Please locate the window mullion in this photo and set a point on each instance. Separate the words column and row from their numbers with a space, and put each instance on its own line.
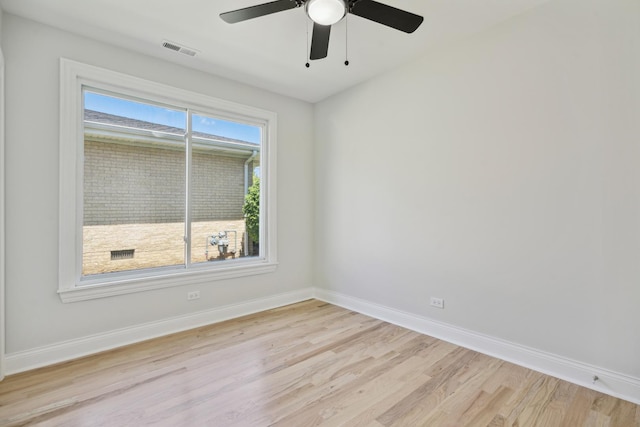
column 188, row 191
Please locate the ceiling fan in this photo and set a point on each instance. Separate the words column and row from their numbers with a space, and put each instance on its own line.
column 325, row 13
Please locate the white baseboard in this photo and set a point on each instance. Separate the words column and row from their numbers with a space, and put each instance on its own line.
column 72, row 349
column 609, row 382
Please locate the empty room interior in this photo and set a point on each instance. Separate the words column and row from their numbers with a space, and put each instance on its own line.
column 252, row 213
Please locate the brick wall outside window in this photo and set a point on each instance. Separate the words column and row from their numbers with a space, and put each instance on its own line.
column 134, row 198
column 127, row 184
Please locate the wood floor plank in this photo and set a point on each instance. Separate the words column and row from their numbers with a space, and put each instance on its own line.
column 425, row 398
column 484, row 409
column 305, row 364
column 355, row 396
column 539, row 402
column 460, row 403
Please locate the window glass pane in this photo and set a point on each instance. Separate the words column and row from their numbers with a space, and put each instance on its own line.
column 225, row 168
column 134, row 185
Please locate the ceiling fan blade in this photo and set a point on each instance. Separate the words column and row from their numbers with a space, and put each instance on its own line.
column 387, row 15
column 320, row 41
column 258, row 11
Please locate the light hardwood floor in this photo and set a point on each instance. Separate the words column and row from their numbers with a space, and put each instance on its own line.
column 306, row 364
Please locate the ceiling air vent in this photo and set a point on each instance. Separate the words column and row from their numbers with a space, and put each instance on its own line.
column 178, row 48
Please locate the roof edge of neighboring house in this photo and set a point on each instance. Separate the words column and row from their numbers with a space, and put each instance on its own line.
column 105, row 127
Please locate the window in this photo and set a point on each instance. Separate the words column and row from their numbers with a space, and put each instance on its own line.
column 159, row 186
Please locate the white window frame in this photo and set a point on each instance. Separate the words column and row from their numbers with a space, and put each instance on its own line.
column 71, row 284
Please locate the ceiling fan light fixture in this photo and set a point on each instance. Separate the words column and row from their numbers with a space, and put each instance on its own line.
column 326, row 12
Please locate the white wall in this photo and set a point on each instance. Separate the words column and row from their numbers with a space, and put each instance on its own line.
column 512, row 160
column 2, row 229
column 35, row 315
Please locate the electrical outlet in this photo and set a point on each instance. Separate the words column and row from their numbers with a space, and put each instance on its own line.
column 193, row 295
column 437, row 302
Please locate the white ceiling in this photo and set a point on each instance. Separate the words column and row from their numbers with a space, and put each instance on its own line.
column 268, row 52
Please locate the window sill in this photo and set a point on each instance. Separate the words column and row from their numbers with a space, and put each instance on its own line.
column 84, row 291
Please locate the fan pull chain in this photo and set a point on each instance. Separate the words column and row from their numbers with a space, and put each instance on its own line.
column 306, row 24
column 346, row 40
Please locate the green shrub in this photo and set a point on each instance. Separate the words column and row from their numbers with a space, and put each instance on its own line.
column 251, row 210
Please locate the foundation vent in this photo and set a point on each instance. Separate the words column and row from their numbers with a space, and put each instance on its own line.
column 182, row 49
column 122, row 254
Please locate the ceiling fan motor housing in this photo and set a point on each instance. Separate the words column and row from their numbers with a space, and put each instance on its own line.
column 326, row 12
